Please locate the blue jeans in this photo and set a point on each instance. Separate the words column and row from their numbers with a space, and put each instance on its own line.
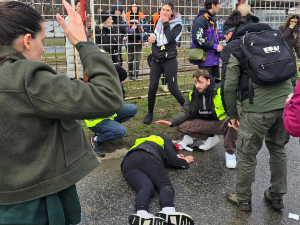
column 111, row 130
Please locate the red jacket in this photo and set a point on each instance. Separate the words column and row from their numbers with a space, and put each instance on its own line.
column 291, row 115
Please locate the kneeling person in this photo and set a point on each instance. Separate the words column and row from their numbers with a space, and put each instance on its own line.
column 144, row 169
column 203, row 116
column 110, row 129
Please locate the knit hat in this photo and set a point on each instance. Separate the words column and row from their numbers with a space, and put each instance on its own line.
column 103, row 16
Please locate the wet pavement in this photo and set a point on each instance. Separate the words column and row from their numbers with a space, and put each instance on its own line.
column 107, row 199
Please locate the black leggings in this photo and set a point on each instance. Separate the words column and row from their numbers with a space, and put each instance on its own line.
column 145, row 173
column 170, row 68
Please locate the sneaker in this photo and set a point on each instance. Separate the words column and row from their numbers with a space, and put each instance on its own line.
column 230, row 160
column 135, row 219
column 277, row 202
column 164, row 88
column 176, row 218
column 130, row 77
column 243, row 205
column 209, row 143
column 98, row 147
column 148, row 119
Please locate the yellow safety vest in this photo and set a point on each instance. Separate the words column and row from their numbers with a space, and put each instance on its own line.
column 94, row 122
column 154, row 138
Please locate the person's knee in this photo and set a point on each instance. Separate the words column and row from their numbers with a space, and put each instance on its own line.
column 168, row 190
column 120, row 132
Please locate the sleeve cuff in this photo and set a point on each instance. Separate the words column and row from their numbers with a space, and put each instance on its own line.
column 83, row 43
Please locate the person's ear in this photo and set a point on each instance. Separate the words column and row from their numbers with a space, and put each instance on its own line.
column 27, row 41
column 208, row 81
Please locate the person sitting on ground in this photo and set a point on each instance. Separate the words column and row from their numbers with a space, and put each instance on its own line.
column 110, row 128
column 106, row 35
column 289, row 31
column 203, row 116
column 144, row 169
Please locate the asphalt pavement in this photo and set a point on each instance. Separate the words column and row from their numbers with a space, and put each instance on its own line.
column 107, row 199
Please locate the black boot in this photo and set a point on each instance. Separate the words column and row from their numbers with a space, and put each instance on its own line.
column 148, row 119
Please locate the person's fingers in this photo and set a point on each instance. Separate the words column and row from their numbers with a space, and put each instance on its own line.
column 62, row 23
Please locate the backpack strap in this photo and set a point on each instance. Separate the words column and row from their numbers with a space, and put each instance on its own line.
column 251, row 93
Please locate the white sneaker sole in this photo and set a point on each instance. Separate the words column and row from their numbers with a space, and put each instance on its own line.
column 176, row 218
column 140, row 220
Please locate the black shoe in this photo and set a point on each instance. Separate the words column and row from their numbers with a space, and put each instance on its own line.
column 148, row 119
column 180, row 218
column 135, row 219
column 98, row 148
column 277, row 202
column 130, row 77
column 243, row 205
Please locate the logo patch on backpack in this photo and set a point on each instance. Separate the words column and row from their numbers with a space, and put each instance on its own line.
column 271, row 49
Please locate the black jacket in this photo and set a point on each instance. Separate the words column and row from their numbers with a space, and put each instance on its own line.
column 167, row 155
column 107, row 39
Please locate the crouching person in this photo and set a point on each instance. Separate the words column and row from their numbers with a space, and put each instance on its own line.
column 203, row 116
column 110, row 128
column 144, row 169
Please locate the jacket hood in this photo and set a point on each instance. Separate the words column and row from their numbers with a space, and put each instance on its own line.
column 176, row 18
column 249, row 27
column 117, row 6
column 204, row 10
column 251, row 18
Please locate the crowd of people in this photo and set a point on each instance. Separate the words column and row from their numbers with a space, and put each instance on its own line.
column 49, row 151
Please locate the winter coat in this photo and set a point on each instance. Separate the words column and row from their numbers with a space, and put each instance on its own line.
column 291, row 115
column 205, row 35
column 44, row 148
column 134, row 19
column 235, row 79
column 106, row 38
column 167, row 36
column 292, row 42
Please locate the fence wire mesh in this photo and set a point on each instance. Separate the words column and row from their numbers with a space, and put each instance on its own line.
column 273, row 12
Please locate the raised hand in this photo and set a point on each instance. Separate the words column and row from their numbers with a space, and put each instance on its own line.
column 75, row 32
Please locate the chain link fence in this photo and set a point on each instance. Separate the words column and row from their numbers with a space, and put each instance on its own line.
column 273, row 12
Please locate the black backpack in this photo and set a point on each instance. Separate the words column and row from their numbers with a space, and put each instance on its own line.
column 269, row 60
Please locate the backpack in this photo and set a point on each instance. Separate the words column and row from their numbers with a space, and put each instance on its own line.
column 269, row 60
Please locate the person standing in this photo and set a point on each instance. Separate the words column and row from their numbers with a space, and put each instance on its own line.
column 205, row 36
column 44, row 149
column 261, row 116
column 289, row 31
column 119, row 22
column 164, row 53
column 134, row 40
column 106, row 35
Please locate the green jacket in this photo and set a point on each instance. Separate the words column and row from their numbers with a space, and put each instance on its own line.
column 266, row 97
column 235, row 80
column 43, row 146
column 190, row 109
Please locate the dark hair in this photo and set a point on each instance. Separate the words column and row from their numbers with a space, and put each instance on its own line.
column 18, row 19
column 138, row 8
column 234, row 20
column 76, row 2
column 208, row 3
column 201, row 73
column 287, row 23
column 170, row 3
